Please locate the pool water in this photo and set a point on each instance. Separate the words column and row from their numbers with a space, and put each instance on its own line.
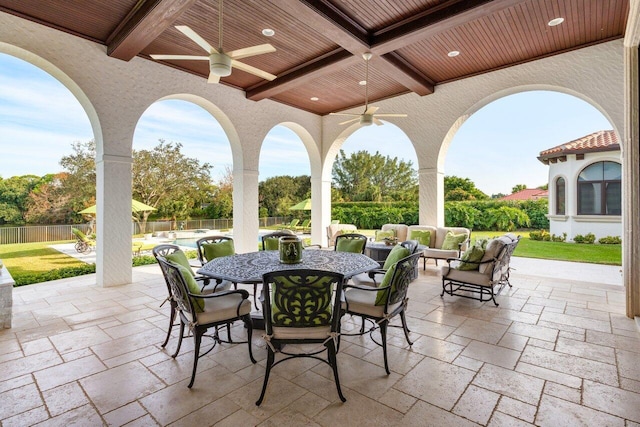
column 190, row 242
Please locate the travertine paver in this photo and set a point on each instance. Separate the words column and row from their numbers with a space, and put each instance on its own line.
column 553, row 352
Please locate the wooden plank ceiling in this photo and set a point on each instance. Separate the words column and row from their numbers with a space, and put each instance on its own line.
column 320, row 42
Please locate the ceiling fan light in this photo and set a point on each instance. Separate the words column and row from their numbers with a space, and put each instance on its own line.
column 220, row 64
column 366, row 119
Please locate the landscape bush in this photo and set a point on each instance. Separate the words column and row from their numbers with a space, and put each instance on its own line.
column 588, row 238
column 610, row 240
column 540, row 235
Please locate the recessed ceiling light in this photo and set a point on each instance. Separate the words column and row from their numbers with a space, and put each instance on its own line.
column 453, row 53
column 555, row 21
column 268, row 32
column 314, row 98
column 362, row 82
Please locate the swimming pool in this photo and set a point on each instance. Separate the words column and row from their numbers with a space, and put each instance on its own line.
column 190, row 242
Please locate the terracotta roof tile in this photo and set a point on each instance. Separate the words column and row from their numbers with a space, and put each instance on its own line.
column 527, row 194
column 604, row 140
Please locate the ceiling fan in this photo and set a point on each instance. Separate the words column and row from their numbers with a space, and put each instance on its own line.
column 368, row 116
column 220, row 62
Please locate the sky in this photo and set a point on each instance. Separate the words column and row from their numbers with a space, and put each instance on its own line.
column 38, row 113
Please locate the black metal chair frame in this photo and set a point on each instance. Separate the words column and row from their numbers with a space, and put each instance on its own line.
column 500, row 268
column 402, row 277
column 184, row 306
column 300, row 284
column 203, row 259
column 163, row 251
column 352, row 236
column 412, row 245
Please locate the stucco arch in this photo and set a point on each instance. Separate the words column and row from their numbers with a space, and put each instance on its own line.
column 446, row 143
column 63, row 78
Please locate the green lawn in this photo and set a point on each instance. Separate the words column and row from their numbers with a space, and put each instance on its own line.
column 34, row 258
column 578, row 252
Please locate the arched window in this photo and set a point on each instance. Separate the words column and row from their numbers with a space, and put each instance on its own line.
column 599, row 189
column 560, row 196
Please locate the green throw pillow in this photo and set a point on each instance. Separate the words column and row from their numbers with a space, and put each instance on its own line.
column 272, row 243
column 452, row 241
column 198, row 303
column 350, row 245
column 216, row 250
column 474, row 254
column 381, row 297
column 178, row 257
column 381, row 235
column 422, row 236
column 397, row 253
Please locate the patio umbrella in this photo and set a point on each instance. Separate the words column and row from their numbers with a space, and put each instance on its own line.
column 136, row 207
column 304, row 205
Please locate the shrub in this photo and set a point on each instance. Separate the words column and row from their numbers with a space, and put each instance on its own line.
column 562, row 238
column 458, row 214
column 504, row 218
column 610, row 240
column 540, row 235
column 588, row 238
column 58, row 273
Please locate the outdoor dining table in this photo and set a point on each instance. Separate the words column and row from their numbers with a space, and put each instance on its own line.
column 249, row 267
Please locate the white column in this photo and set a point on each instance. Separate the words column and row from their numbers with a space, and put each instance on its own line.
column 114, row 233
column 431, row 196
column 245, row 210
column 320, row 210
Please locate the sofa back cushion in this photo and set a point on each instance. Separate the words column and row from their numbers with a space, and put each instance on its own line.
column 400, row 230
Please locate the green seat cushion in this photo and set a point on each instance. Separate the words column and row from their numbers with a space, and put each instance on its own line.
column 381, row 235
column 422, row 236
column 272, row 243
column 216, row 250
column 475, row 254
column 192, row 285
column 301, row 306
column 397, row 253
column 179, row 258
column 350, row 245
column 381, row 297
column 452, row 241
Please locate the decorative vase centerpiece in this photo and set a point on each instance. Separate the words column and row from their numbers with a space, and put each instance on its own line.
column 290, row 250
column 390, row 241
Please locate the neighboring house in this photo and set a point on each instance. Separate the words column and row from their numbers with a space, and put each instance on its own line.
column 527, row 194
column 585, row 192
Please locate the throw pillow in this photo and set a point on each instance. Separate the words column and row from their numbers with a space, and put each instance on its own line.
column 216, row 250
column 422, row 236
column 381, row 297
column 397, row 253
column 381, row 235
column 192, row 285
column 178, row 257
column 452, row 241
column 473, row 254
column 350, row 245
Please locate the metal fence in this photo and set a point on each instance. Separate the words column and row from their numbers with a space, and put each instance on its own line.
column 52, row 233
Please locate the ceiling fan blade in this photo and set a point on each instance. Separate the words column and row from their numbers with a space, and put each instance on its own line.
column 252, row 70
column 213, row 78
column 377, row 122
column 196, row 38
column 349, row 121
column 251, row 51
column 391, row 115
column 180, row 57
column 371, row 110
column 344, row 114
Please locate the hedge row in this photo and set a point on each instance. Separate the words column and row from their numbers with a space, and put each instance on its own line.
column 476, row 215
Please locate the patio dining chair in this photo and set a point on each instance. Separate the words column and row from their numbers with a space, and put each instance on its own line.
column 381, row 304
column 199, row 312
column 173, row 252
column 212, row 247
column 301, row 307
column 375, row 276
column 351, row 242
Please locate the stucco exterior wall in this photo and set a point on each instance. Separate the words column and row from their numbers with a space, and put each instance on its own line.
column 572, row 223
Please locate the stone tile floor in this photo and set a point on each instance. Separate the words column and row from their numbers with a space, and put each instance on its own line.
column 554, row 353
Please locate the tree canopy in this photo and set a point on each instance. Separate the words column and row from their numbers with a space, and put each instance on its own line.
column 373, row 177
column 277, row 194
column 518, row 187
column 459, row 189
